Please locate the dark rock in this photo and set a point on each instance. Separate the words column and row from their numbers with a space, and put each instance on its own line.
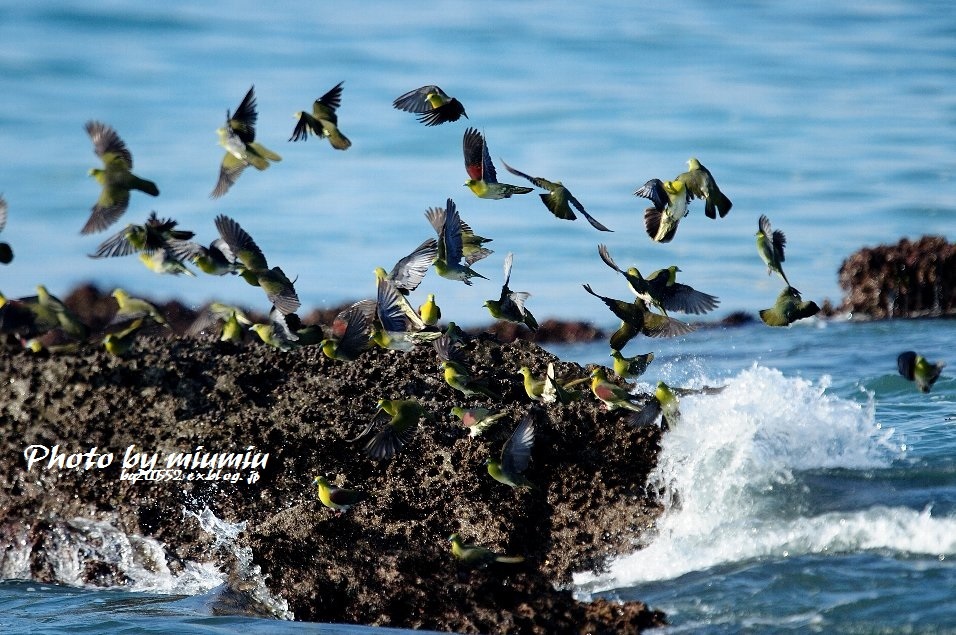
column 387, row 560
column 908, row 279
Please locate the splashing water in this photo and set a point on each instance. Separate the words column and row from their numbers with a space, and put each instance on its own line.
column 736, row 480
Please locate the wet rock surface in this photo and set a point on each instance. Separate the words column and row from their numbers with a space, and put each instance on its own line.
column 908, row 279
column 384, row 562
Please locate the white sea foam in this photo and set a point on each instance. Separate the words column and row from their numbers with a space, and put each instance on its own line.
column 727, row 474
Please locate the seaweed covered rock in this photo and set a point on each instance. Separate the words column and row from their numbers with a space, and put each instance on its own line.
column 908, row 279
column 387, row 560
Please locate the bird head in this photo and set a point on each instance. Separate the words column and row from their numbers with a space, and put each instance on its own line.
column 633, row 272
column 380, row 273
column 693, row 163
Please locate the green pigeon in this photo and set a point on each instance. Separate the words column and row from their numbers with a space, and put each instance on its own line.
column 131, row 308
column 458, row 377
column 474, row 555
column 510, row 304
column 788, row 308
column 395, row 325
column 216, row 260
column 448, row 260
column 482, row 180
column 669, row 200
column 233, row 321
column 323, row 122
column 162, row 261
column 6, row 252
column 238, row 137
column 701, row 184
column 661, row 289
column 154, row 234
column 638, row 319
column 770, row 245
column 472, row 245
column 55, row 341
column 630, row 367
column 429, row 311
column 398, row 432
column 276, row 332
column 410, row 270
column 432, row 105
column 665, row 403
column 26, row 317
column 349, row 334
column 557, row 390
column 337, row 498
column 239, row 248
column 917, row 368
column 115, row 177
column 515, row 456
column 477, row 420
column 612, row 395
column 64, row 317
column 118, row 344
column 558, row 200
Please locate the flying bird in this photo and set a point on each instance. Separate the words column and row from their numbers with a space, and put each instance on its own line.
column 638, row 319
column 398, row 432
column 432, row 105
column 410, row 270
column 451, row 249
column 770, row 245
column 349, row 335
column 116, row 178
column 700, row 183
column 510, row 304
column 559, row 199
column 472, row 245
column 156, row 233
column 238, row 137
column 515, row 456
column 669, row 200
column 323, row 122
column 482, row 180
column 915, row 367
column 788, row 308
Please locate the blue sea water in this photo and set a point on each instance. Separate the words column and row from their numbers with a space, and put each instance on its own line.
column 816, row 493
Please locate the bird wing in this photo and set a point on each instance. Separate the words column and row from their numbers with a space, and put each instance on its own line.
column 116, row 245
column 240, row 244
column 686, row 299
column 606, row 257
column 451, row 235
column 331, row 100
column 107, row 143
column 243, row 122
column 647, row 415
column 436, row 217
column 542, row 183
column 779, row 241
column 654, row 191
column 409, row 272
column 577, row 205
column 516, row 453
column 389, row 308
column 352, row 328
column 229, row 173
column 414, row 100
column 304, row 124
column 3, row 213
column 663, row 326
column 473, row 147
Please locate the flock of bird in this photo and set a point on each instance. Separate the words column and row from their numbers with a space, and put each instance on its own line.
column 389, row 320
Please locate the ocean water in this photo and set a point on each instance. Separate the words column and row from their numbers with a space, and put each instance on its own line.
column 815, row 493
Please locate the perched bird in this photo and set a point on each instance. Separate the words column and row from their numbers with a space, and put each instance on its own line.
column 474, row 555
column 337, row 498
column 472, row 245
column 6, row 252
column 323, row 122
column 788, row 308
column 612, row 395
column 115, row 176
column 238, row 137
column 432, row 104
column 457, row 376
column 770, row 244
column 510, row 304
column 232, row 318
column 156, row 233
column 64, row 318
column 429, row 311
column 917, row 368
column 661, row 289
column 669, row 200
column 276, row 332
column 638, row 319
column 515, row 456
column 410, row 270
column 630, row 367
column 131, row 308
column 548, row 389
column 349, row 335
column 477, row 420
column 450, row 249
column 558, row 200
column 701, row 184
column 119, row 343
column 239, row 248
column 482, row 179
column 398, row 432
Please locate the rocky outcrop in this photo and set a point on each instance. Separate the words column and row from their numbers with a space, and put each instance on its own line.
column 908, row 279
column 279, row 419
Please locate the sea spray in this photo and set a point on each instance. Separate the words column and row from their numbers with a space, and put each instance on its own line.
column 733, row 477
column 245, row 591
